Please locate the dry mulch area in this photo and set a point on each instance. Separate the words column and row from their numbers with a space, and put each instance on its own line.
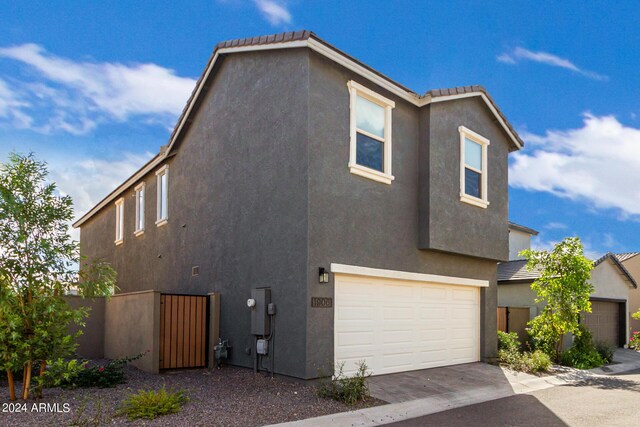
column 226, row 397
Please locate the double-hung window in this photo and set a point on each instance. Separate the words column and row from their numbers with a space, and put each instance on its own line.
column 370, row 126
column 139, row 209
column 162, row 176
column 473, row 168
column 119, row 221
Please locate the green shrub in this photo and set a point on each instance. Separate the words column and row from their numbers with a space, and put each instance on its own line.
column 634, row 341
column 605, row 350
column 84, row 374
column 509, row 350
column 583, row 353
column 152, row 404
column 509, row 355
column 348, row 390
column 535, row 362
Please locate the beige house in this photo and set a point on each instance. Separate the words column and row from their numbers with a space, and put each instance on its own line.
column 631, row 261
column 611, row 302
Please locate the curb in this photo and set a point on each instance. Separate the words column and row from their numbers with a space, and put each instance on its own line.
column 395, row 412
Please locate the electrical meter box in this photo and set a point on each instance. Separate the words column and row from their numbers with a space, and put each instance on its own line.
column 260, row 324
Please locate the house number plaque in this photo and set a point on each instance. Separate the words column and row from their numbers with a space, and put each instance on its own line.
column 321, row 302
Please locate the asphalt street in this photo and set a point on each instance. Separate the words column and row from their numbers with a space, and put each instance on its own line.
column 601, row 401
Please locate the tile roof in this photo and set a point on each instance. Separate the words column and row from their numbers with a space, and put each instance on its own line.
column 519, row 227
column 516, row 271
column 621, row 268
column 221, row 50
column 461, row 90
column 512, row 271
column 270, row 39
column 625, row 256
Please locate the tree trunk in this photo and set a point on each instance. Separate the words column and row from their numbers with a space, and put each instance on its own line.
column 27, row 381
column 12, row 387
column 43, row 369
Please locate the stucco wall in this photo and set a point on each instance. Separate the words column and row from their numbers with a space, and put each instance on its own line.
column 357, row 221
column 518, row 241
column 455, row 226
column 91, row 342
column 608, row 283
column 633, row 305
column 132, row 326
column 237, row 205
column 518, row 295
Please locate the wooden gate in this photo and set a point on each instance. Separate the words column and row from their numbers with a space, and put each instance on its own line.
column 183, row 331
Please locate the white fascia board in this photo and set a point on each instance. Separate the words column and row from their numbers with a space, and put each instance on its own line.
column 406, row 275
column 128, row 183
column 429, row 100
column 321, row 49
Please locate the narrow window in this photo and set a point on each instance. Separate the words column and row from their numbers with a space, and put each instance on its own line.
column 119, row 221
column 139, row 209
column 163, row 195
column 473, row 168
column 370, row 154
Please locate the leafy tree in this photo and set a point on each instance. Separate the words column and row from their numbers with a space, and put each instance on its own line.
column 38, row 266
column 564, row 286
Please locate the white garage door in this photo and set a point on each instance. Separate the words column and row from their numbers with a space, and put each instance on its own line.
column 397, row 325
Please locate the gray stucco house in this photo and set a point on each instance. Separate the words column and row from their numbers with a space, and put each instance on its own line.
column 612, row 286
column 373, row 215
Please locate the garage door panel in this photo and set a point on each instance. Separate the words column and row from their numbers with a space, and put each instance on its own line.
column 433, row 293
column 400, row 325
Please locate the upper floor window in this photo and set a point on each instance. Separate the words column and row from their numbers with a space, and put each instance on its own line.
column 473, row 167
column 163, row 195
column 119, row 221
column 370, row 148
column 139, row 209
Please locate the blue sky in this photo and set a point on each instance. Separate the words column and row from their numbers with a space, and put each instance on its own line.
column 94, row 89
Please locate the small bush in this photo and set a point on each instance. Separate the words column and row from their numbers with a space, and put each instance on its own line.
column 634, row 341
column 509, row 355
column 535, row 362
column 605, row 350
column 150, row 404
column 84, row 374
column 583, row 353
column 348, row 390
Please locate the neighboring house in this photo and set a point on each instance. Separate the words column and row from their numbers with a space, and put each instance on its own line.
column 631, row 261
column 612, row 284
column 374, row 216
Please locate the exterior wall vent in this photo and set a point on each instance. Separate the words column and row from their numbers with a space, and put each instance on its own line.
column 195, row 271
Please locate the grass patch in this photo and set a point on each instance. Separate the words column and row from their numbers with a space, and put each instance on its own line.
column 151, row 404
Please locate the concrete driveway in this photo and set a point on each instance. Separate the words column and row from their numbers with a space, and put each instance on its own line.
column 440, row 383
column 415, row 395
column 595, row 401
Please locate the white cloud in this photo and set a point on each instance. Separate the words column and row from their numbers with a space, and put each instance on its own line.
column 89, row 180
column 522, row 54
column 11, row 107
column 556, row 226
column 75, row 96
column 275, row 12
column 598, row 163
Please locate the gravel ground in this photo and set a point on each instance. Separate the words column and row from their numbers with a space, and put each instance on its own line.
column 226, row 397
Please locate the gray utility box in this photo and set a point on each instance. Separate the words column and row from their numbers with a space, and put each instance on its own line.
column 260, row 324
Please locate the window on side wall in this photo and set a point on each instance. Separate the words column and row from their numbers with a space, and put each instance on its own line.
column 370, row 126
column 139, row 209
column 119, row 221
column 162, row 176
column 473, row 168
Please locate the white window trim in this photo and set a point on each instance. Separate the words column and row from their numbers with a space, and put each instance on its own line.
column 140, row 188
column 119, row 221
column 164, row 170
column 484, row 143
column 355, row 90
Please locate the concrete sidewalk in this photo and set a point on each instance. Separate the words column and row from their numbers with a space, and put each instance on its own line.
column 418, row 393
